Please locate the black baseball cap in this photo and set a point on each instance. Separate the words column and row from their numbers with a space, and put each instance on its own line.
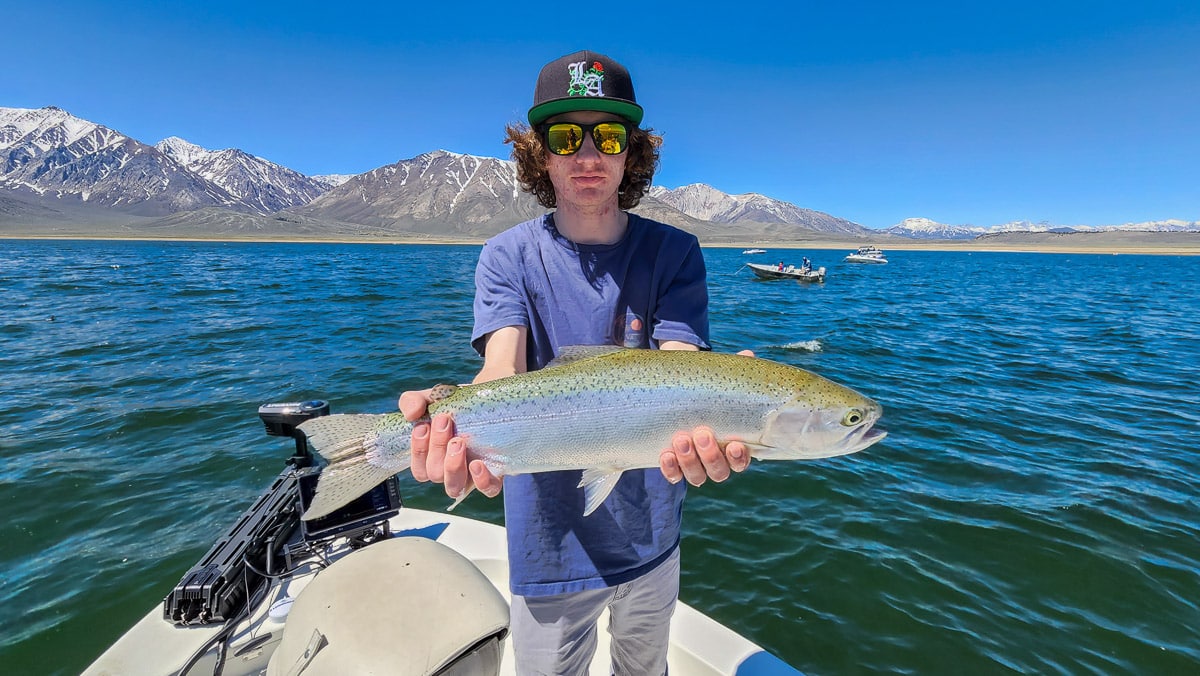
column 584, row 81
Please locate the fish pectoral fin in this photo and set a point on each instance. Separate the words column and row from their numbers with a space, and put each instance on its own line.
column 440, row 392
column 758, row 450
column 597, row 483
column 461, row 496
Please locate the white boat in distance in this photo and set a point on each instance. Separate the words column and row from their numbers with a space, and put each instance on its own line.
column 365, row 589
column 789, row 272
column 754, row 251
column 866, row 254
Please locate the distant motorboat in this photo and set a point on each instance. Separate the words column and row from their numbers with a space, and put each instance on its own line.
column 866, row 254
column 754, row 251
column 790, row 272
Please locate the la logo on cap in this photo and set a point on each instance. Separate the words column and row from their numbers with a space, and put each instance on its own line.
column 586, row 82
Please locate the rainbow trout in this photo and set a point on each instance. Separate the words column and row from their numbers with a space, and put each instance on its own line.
column 605, row 410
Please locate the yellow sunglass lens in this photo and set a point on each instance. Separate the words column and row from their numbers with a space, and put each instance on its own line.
column 610, row 138
column 564, row 139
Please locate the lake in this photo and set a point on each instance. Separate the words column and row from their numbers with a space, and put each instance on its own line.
column 1034, row 508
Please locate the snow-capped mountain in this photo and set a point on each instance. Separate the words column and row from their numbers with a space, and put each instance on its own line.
column 709, row 204
column 260, row 184
column 56, row 168
column 924, row 228
column 437, row 192
column 60, row 167
column 1170, row 225
column 49, row 155
column 332, row 180
column 183, row 152
column 445, row 193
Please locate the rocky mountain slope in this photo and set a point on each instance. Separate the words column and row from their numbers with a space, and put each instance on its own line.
column 448, row 194
column 260, row 184
column 60, row 167
column 709, row 204
column 50, row 158
column 60, row 174
column 49, row 155
column 437, row 192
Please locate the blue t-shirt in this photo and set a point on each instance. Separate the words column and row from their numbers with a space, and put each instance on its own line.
column 647, row 288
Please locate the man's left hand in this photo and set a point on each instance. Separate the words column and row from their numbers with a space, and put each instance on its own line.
column 698, row 457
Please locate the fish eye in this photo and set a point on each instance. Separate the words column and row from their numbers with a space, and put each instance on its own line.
column 852, row 417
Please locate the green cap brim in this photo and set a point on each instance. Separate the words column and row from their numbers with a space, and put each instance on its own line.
column 630, row 111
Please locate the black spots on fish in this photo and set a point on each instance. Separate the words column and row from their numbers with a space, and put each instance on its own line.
column 440, row 392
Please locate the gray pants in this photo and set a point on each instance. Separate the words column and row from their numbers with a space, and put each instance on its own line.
column 556, row 635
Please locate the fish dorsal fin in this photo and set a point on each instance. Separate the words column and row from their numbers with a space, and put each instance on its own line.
column 597, row 483
column 440, row 392
column 574, row 353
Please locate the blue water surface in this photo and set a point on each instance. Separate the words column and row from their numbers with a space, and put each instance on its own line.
column 1033, row 510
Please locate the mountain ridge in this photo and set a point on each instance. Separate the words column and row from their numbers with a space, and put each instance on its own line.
column 924, row 228
column 264, row 186
column 56, row 168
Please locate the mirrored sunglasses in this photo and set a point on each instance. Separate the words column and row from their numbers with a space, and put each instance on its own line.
column 566, row 138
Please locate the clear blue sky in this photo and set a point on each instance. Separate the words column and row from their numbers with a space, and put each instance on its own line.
column 962, row 112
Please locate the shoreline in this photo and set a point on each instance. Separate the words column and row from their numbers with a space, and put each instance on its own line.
column 1168, row 248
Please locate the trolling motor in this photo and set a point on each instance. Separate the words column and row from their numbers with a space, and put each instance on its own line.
column 223, row 585
column 227, row 581
column 282, row 419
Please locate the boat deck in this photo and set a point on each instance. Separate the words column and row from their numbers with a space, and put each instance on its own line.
column 700, row 646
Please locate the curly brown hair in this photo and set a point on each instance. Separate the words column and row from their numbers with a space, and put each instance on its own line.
column 641, row 160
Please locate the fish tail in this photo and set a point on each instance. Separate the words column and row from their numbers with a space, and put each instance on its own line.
column 362, row 452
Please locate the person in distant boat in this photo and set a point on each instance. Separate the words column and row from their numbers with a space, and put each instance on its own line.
column 781, row 266
column 805, row 264
column 588, row 273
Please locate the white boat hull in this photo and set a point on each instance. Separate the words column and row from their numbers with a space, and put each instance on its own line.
column 798, row 274
column 699, row 646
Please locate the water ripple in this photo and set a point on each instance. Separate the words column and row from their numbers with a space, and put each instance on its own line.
column 1033, row 509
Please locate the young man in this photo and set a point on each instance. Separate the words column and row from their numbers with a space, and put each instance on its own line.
column 589, row 273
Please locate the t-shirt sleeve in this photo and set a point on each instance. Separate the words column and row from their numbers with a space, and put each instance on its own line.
column 683, row 306
column 500, row 298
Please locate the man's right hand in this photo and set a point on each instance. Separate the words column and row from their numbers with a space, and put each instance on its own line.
column 439, row 455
